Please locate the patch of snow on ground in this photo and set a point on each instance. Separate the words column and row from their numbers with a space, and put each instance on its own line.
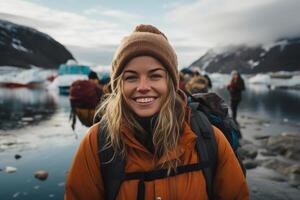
column 18, row 45
column 253, row 63
column 206, row 63
column 281, row 43
column 262, row 54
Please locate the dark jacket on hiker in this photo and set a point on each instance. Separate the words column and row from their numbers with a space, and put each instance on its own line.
column 235, row 87
column 85, row 181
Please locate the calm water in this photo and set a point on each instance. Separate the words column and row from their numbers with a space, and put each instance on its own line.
column 42, row 135
column 274, row 105
column 49, row 144
column 19, row 107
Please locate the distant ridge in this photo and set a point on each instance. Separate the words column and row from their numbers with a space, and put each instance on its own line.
column 22, row 46
column 282, row 55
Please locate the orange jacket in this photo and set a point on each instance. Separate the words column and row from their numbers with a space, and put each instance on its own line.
column 84, row 180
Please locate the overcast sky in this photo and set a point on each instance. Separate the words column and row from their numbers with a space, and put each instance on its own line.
column 92, row 29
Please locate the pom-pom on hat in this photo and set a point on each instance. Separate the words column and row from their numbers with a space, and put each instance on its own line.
column 146, row 40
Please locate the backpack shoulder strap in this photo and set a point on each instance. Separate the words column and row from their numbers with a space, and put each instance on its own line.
column 206, row 145
column 112, row 166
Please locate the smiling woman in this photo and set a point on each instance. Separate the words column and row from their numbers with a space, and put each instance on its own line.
column 144, row 88
column 143, row 147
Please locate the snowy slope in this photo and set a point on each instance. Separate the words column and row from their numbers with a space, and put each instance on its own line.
column 282, row 55
column 23, row 47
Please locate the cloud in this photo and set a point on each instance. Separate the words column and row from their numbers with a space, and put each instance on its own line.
column 115, row 14
column 93, row 55
column 92, row 34
column 66, row 27
column 215, row 22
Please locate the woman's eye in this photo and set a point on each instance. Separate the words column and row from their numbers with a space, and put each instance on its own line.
column 155, row 76
column 130, row 78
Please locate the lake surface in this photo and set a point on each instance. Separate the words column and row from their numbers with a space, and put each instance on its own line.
column 275, row 105
column 24, row 107
column 35, row 124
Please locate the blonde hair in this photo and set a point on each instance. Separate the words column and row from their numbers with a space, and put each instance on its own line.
column 197, row 84
column 114, row 113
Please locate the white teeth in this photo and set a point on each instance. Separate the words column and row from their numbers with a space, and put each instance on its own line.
column 144, row 100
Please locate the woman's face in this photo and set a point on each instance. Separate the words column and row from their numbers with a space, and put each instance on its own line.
column 234, row 75
column 144, row 85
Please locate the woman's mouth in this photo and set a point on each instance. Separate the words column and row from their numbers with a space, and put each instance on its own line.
column 144, row 100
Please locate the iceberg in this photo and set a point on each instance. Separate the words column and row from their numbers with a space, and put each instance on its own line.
column 67, row 74
column 260, row 79
column 16, row 77
column 275, row 82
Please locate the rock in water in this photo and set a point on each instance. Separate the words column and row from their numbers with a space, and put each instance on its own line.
column 248, row 151
column 41, row 175
column 10, row 169
column 287, row 145
column 261, row 137
column 250, row 164
column 17, row 156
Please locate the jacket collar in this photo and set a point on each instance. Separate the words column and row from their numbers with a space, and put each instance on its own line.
column 186, row 141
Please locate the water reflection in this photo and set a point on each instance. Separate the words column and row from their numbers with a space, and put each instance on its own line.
column 19, row 107
column 276, row 105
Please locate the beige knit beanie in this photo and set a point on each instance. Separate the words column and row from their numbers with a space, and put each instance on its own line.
column 146, row 40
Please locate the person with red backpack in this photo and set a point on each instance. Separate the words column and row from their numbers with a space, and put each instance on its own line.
column 84, row 97
column 149, row 143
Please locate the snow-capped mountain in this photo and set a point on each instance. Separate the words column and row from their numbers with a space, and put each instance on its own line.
column 23, row 47
column 282, row 55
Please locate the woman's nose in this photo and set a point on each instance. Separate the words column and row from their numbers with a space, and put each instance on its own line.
column 143, row 85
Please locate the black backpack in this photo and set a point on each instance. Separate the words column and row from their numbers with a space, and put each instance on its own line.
column 206, row 109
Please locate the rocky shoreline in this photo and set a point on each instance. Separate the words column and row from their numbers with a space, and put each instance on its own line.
column 272, row 160
column 280, row 153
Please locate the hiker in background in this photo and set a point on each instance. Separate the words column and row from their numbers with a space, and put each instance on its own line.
column 185, row 75
column 209, row 85
column 93, row 78
column 145, row 132
column 103, row 82
column 198, row 84
column 235, row 88
column 84, row 97
column 198, row 72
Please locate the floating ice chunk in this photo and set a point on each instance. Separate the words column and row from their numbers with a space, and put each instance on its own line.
column 260, row 79
column 10, row 169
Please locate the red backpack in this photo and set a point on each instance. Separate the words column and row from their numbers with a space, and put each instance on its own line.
column 84, row 94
